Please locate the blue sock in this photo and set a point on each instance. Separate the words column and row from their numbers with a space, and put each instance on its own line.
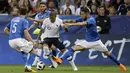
column 24, row 57
column 68, row 54
column 112, row 57
column 71, row 50
column 30, row 59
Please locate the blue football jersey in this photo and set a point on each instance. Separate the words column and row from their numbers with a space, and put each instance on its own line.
column 91, row 30
column 17, row 27
column 41, row 15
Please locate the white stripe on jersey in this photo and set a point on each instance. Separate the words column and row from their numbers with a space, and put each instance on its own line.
column 51, row 30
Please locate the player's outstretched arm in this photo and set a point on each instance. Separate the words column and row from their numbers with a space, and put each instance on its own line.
column 6, row 30
column 35, row 20
column 38, row 37
column 69, row 21
column 28, row 37
column 76, row 24
column 32, row 26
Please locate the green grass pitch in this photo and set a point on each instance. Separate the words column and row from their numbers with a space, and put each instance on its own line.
column 65, row 69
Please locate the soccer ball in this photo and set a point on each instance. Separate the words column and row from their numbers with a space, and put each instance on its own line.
column 40, row 65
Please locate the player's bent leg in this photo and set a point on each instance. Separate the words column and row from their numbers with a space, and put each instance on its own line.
column 78, row 48
column 39, row 49
column 102, row 48
column 46, row 50
column 71, row 61
column 73, row 65
column 68, row 54
column 34, row 52
column 39, row 52
column 113, row 58
column 30, row 60
column 54, row 64
column 53, row 48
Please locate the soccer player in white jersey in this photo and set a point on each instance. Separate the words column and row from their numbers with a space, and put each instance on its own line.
column 44, row 13
column 40, row 15
column 17, row 30
column 92, row 39
column 51, row 28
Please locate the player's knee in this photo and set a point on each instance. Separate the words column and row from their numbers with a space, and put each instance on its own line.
column 63, row 50
column 53, row 47
column 77, row 48
column 45, row 44
column 39, row 46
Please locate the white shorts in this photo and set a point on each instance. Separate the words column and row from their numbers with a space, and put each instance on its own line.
column 21, row 44
column 96, row 45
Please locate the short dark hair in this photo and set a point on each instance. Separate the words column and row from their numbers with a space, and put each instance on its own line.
column 69, row 10
column 53, row 12
column 85, row 9
column 101, row 7
column 42, row 3
column 23, row 10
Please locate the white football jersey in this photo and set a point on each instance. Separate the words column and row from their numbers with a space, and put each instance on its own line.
column 51, row 30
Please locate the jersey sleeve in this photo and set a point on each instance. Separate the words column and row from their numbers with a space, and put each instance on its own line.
column 36, row 17
column 44, row 23
column 25, row 24
column 61, row 23
column 79, row 20
column 91, row 21
column 48, row 14
column 8, row 25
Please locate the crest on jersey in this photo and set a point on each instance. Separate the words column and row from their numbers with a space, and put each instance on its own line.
column 49, row 28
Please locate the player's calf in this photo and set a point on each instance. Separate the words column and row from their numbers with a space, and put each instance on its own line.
column 113, row 58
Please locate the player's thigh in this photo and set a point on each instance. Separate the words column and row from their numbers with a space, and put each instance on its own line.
column 99, row 46
column 13, row 44
column 78, row 48
column 53, row 47
column 40, row 46
column 82, row 44
column 59, row 44
column 24, row 45
column 47, row 42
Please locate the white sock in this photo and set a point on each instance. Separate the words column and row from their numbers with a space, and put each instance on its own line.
column 39, row 52
column 53, row 62
column 46, row 51
column 72, row 61
column 58, row 54
column 73, row 65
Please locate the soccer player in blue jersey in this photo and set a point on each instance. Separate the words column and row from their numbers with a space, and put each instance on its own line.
column 92, row 39
column 17, row 30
